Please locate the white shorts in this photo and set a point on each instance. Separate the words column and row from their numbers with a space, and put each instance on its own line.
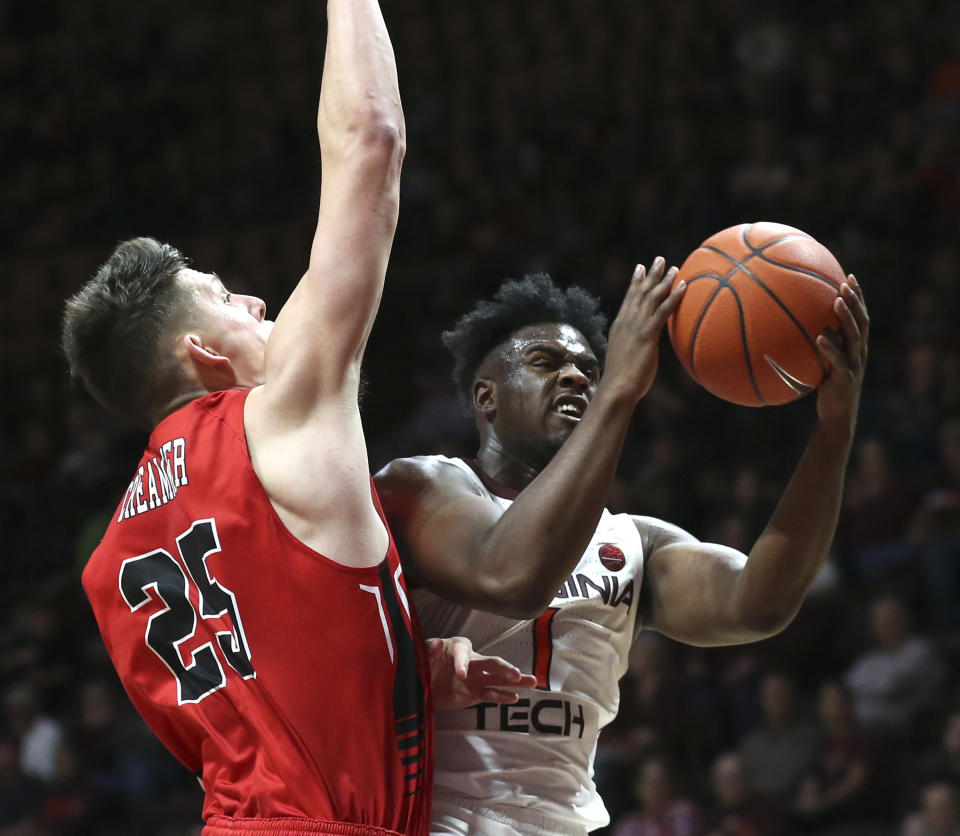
column 466, row 817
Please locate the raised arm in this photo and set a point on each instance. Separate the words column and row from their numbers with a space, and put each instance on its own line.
column 316, row 346
column 303, row 425
column 707, row 594
column 460, row 545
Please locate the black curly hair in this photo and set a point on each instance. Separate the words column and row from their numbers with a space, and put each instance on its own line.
column 517, row 303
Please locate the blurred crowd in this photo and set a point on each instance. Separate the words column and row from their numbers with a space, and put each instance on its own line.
column 565, row 136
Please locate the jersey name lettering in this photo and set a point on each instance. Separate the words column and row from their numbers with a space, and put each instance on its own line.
column 608, row 589
column 157, row 481
column 546, row 716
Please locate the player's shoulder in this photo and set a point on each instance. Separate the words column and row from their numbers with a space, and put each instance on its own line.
column 656, row 532
column 418, row 474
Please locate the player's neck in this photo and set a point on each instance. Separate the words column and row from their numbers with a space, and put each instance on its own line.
column 504, row 466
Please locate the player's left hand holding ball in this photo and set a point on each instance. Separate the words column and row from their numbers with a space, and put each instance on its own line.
column 462, row 678
column 838, row 397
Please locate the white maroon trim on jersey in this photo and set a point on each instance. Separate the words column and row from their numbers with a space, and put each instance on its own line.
column 537, row 755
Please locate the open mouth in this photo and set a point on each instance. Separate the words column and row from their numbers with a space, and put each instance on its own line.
column 570, row 409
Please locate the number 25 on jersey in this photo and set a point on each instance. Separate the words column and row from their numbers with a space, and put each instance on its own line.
column 158, row 575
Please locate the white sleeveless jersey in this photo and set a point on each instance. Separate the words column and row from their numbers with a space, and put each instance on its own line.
column 536, row 756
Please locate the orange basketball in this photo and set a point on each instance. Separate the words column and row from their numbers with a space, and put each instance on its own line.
column 757, row 297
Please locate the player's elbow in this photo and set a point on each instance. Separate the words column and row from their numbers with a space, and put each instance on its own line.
column 383, row 132
column 373, row 134
column 515, row 598
column 379, row 130
column 762, row 622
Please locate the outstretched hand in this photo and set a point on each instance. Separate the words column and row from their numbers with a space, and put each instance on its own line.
column 462, row 678
column 838, row 397
column 633, row 351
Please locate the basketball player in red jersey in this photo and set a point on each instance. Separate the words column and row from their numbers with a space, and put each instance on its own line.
column 521, row 531
column 247, row 588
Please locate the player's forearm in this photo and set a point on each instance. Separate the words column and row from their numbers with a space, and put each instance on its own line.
column 360, row 94
column 538, row 542
column 788, row 554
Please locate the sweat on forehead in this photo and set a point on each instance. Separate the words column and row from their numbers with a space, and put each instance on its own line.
column 556, row 336
column 559, row 335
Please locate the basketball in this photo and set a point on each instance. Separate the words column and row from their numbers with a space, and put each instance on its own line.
column 757, row 297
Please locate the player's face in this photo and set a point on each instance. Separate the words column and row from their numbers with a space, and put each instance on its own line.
column 234, row 324
column 549, row 374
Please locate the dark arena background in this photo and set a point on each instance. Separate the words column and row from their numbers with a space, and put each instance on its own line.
column 567, row 136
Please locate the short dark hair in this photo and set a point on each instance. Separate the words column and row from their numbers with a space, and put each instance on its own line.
column 113, row 328
column 535, row 298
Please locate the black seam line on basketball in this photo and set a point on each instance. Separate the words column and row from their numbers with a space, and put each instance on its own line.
column 746, row 346
column 787, row 236
column 703, row 313
column 760, row 252
column 813, row 274
column 810, row 342
column 725, row 283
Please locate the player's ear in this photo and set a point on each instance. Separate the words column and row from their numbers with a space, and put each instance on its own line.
column 197, row 352
column 485, row 397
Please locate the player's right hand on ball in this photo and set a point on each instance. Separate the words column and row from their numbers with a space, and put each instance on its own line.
column 633, row 350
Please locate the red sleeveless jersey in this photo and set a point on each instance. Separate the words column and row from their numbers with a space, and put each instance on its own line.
column 296, row 687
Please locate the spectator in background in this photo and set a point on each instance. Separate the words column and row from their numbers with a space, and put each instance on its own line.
column 834, row 792
column 779, row 753
column 877, row 504
column 896, row 682
column 935, row 532
column 651, row 714
column 939, row 813
column 734, row 809
column 71, row 804
column 940, row 762
column 39, row 736
column 20, row 794
column 662, row 811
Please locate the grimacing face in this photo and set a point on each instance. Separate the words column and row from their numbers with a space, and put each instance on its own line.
column 545, row 376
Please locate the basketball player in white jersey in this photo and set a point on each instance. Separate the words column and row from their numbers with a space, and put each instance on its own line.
column 521, row 531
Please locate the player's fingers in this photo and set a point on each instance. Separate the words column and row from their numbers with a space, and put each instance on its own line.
column 434, row 649
column 651, row 277
column 858, row 308
column 672, row 297
column 497, row 666
column 851, row 330
column 498, row 695
column 852, row 281
column 661, row 289
column 655, row 273
column 634, row 289
column 829, row 351
column 461, row 651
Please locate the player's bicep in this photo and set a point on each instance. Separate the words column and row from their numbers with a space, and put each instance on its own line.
column 690, row 591
column 440, row 525
column 320, row 333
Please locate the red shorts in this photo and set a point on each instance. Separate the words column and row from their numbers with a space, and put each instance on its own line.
column 288, row 826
